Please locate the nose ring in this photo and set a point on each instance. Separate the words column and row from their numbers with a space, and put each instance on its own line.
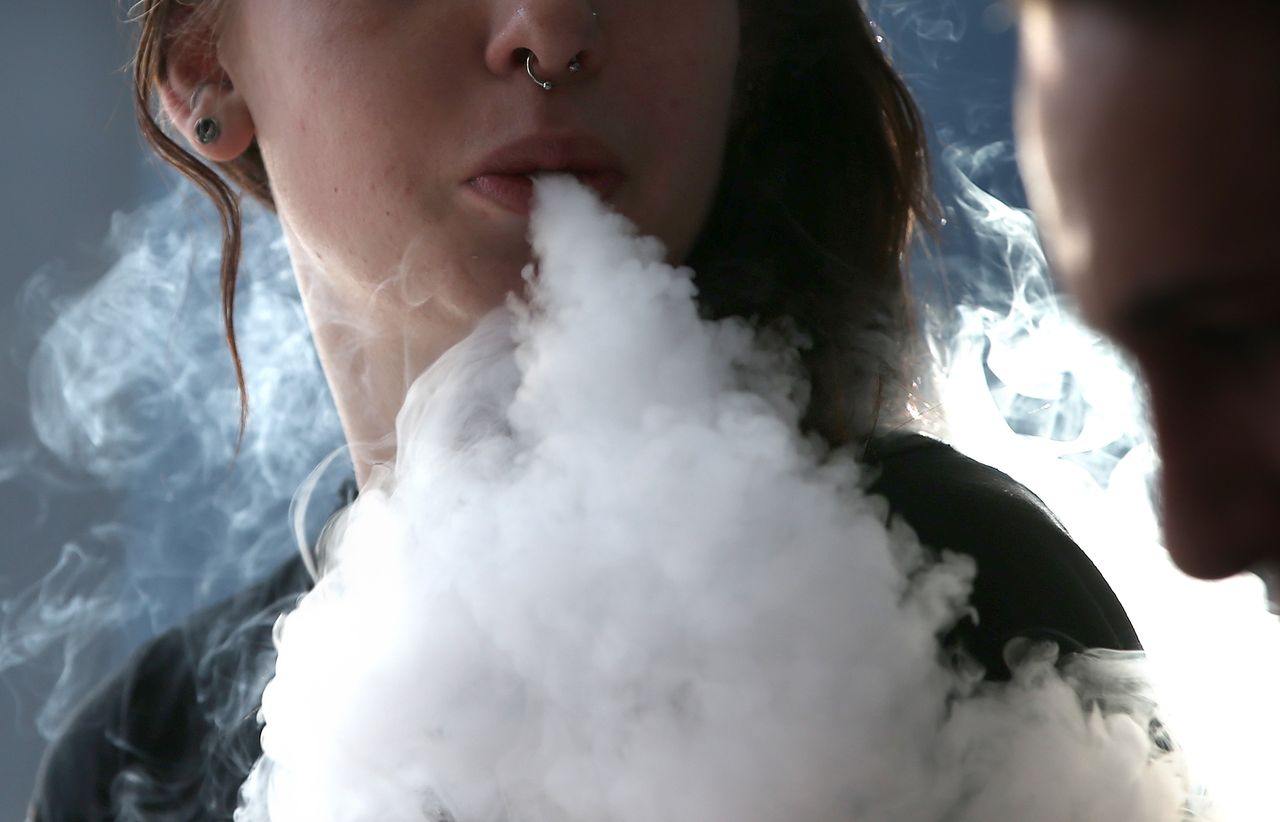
column 575, row 66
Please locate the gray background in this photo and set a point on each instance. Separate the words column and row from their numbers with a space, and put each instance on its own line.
column 70, row 156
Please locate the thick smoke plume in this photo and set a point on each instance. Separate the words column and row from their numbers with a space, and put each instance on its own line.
column 608, row 579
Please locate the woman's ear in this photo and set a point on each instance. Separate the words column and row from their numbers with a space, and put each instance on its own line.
column 199, row 98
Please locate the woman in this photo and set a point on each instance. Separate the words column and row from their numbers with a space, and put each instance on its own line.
column 768, row 144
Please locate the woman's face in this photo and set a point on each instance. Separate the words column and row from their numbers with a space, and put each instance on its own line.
column 382, row 123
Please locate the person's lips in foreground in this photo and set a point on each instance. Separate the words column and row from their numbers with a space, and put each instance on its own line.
column 505, row 177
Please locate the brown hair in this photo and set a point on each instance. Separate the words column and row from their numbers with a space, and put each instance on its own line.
column 160, row 23
column 826, row 173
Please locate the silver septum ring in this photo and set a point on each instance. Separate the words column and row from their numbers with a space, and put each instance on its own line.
column 575, row 65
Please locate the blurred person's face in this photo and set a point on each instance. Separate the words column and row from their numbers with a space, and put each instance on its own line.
column 1151, row 150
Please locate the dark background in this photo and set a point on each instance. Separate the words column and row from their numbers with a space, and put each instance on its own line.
column 70, row 157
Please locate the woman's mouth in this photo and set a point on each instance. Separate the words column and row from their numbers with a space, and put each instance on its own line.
column 514, row 192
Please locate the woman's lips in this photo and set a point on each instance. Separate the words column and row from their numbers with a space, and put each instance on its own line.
column 514, row 192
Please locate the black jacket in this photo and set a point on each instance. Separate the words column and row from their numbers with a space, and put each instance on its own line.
column 173, row 734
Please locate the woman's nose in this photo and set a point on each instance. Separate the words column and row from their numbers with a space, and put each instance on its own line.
column 557, row 33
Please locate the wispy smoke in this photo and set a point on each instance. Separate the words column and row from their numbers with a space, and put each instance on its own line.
column 925, row 27
column 609, row 579
column 132, row 392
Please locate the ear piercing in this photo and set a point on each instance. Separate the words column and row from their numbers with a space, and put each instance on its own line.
column 575, row 66
column 207, row 130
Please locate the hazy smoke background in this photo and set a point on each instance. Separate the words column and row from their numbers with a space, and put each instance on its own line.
column 71, row 147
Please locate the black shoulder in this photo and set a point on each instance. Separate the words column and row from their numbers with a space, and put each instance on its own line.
column 1033, row 580
column 143, row 744
column 137, row 721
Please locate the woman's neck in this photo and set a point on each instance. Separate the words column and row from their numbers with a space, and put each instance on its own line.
column 372, row 347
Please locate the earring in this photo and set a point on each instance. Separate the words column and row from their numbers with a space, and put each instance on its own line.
column 208, row 130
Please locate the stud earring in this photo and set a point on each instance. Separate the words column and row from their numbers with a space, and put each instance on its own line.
column 208, row 131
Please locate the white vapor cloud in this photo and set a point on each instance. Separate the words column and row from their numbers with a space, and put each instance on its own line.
column 608, row 579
